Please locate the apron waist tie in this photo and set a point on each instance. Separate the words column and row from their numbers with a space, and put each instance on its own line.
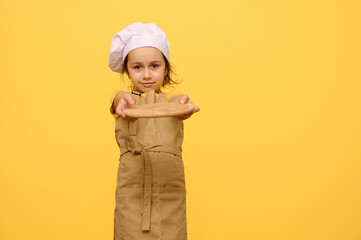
column 146, row 197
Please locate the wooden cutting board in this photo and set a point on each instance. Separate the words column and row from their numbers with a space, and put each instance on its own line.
column 167, row 109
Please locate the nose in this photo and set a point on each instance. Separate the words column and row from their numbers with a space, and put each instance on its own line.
column 146, row 74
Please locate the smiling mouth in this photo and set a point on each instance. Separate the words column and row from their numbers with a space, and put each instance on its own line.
column 148, row 84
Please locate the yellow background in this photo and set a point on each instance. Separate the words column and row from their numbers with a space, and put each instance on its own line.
column 273, row 154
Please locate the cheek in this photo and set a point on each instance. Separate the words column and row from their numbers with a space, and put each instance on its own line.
column 160, row 77
column 133, row 75
column 162, row 73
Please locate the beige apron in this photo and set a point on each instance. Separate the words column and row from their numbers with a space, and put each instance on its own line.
column 150, row 194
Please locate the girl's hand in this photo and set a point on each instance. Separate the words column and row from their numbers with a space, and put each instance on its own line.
column 186, row 99
column 125, row 102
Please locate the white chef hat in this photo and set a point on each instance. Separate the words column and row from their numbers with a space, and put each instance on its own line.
column 134, row 36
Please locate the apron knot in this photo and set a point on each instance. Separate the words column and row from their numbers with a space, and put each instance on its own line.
column 137, row 150
column 130, row 146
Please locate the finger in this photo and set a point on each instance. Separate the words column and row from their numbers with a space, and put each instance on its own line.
column 184, row 99
column 126, row 100
column 196, row 108
column 120, row 108
column 129, row 100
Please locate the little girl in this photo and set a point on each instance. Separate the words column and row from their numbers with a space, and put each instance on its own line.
column 150, row 194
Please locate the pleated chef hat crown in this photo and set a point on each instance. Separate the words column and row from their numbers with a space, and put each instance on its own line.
column 134, row 36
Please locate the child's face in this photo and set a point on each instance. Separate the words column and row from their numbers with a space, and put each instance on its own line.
column 146, row 68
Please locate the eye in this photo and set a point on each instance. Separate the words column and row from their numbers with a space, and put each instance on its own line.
column 137, row 67
column 154, row 66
